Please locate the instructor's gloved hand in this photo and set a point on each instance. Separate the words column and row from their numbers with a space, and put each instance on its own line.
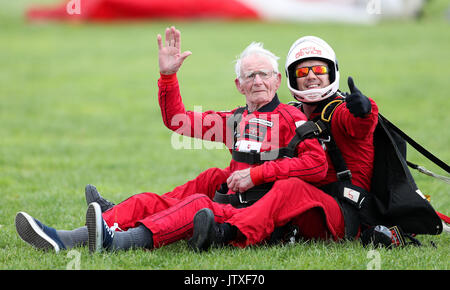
column 358, row 104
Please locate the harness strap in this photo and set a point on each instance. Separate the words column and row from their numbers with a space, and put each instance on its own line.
column 258, row 158
column 343, row 174
column 237, row 200
column 241, row 199
column 348, row 196
column 234, row 121
column 307, row 130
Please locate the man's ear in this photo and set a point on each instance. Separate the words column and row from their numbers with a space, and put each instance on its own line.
column 238, row 85
column 279, row 79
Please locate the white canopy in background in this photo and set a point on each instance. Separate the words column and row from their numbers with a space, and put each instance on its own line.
column 357, row 11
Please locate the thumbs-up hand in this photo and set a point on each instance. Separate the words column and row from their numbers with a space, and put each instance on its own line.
column 358, row 104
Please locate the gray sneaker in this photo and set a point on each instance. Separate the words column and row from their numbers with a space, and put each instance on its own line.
column 100, row 236
column 92, row 195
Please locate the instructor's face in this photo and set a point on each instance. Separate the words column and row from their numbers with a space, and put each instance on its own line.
column 258, row 81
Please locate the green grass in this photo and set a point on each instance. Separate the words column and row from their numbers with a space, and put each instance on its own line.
column 78, row 105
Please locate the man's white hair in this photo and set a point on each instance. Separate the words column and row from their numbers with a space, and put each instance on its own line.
column 256, row 48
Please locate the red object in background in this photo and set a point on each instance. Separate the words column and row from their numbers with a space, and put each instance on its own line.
column 110, row 10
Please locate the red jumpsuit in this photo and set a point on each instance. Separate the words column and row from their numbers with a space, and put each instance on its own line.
column 170, row 216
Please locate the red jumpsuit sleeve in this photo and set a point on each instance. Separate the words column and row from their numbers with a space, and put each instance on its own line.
column 208, row 125
column 356, row 127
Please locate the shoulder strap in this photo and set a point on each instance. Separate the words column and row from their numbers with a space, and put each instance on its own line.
column 309, row 129
column 234, row 121
column 328, row 110
column 342, row 172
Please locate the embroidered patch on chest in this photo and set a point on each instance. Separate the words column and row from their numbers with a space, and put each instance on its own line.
column 255, row 132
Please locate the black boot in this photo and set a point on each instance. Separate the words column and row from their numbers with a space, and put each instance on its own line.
column 207, row 232
column 92, row 195
column 392, row 237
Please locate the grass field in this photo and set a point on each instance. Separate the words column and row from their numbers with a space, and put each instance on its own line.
column 78, row 105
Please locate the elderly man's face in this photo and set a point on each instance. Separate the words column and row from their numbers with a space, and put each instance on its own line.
column 312, row 81
column 258, row 81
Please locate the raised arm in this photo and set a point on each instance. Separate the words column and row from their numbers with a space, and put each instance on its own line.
column 169, row 53
column 209, row 125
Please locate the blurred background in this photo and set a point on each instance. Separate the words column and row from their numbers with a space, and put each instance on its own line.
column 352, row 11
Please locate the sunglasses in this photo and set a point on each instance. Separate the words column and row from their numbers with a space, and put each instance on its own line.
column 316, row 69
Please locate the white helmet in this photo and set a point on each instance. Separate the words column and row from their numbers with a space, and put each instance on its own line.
column 311, row 47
